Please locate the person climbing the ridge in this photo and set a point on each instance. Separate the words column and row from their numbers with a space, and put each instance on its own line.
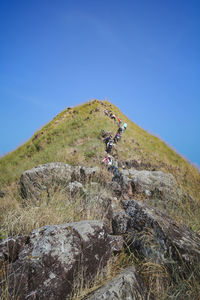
column 119, row 122
column 114, row 167
column 107, row 139
column 113, row 117
column 107, row 161
column 117, row 137
column 109, row 146
column 120, row 130
column 124, row 126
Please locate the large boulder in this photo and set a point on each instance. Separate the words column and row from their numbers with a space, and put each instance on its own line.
column 152, row 183
column 55, row 256
column 127, row 286
column 156, row 237
column 45, row 179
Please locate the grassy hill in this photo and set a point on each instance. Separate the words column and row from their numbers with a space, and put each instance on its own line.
column 74, row 137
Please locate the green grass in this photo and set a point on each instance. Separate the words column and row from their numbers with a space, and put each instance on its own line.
column 74, row 137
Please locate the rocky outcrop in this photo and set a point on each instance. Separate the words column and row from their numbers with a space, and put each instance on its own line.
column 126, row 286
column 11, row 247
column 46, row 179
column 54, row 256
column 151, row 183
column 120, row 222
column 156, row 237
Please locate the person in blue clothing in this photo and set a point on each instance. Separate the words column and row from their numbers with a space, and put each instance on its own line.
column 124, row 126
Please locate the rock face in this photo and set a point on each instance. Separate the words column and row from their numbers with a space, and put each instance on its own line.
column 152, row 184
column 10, row 248
column 157, row 237
column 45, row 179
column 54, row 256
column 126, row 286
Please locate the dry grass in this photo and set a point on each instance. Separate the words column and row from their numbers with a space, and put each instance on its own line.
column 18, row 218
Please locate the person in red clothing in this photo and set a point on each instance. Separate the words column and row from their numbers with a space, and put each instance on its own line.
column 120, row 122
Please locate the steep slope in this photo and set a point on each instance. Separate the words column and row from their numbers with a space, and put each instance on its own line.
column 142, row 208
column 74, row 137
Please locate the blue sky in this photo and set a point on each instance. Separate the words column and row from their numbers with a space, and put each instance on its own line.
column 142, row 55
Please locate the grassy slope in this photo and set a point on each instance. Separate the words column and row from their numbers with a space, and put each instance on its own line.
column 74, row 137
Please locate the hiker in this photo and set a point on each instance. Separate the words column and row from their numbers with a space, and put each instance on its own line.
column 120, row 130
column 113, row 117
column 109, row 146
column 114, row 167
column 117, row 137
column 124, row 126
column 119, row 122
column 107, row 161
column 107, row 139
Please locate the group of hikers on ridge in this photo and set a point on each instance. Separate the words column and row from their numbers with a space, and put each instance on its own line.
column 108, row 161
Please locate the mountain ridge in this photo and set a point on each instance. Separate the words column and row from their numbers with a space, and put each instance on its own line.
column 74, row 136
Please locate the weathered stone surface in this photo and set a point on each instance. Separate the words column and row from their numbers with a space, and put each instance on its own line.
column 45, row 179
column 83, row 174
column 153, row 184
column 125, row 286
column 155, row 236
column 117, row 243
column 10, row 248
column 75, row 188
column 120, row 222
column 54, row 257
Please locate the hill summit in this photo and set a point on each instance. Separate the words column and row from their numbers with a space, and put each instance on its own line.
column 94, row 200
column 74, row 136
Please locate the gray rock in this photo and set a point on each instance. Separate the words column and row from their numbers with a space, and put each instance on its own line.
column 120, row 222
column 55, row 256
column 75, row 188
column 154, row 184
column 46, row 179
column 161, row 188
column 125, row 286
column 117, row 243
column 43, row 179
column 155, row 236
column 10, row 248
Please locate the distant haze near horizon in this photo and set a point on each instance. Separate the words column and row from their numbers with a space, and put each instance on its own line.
column 142, row 56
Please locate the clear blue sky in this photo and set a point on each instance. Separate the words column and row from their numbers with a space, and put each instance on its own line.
column 142, row 55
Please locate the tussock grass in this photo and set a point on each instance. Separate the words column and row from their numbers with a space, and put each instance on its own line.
column 19, row 217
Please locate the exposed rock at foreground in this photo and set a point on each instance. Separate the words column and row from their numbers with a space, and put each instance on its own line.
column 155, row 236
column 126, row 286
column 54, row 256
column 46, row 179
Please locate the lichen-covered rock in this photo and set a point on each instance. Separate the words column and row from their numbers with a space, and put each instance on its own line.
column 46, row 179
column 153, row 184
column 155, row 236
column 125, row 286
column 75, row 188
column 120, row 222
column 10, row 248
column 43, row 179
column 117, row 243
column 55, row 256
column 84, row 174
